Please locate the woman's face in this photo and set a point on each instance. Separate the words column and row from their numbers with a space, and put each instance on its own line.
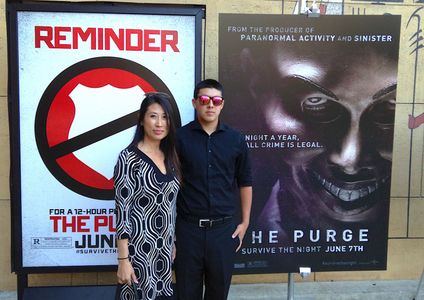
column 155, row 123
column 344, row 107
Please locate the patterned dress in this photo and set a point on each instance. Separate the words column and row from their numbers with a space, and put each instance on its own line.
column 145, row 215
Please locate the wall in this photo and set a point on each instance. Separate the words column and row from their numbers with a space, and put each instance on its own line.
column 406, row 231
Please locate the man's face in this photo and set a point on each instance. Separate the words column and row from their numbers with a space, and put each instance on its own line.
column 345, row 105
column 208, row 113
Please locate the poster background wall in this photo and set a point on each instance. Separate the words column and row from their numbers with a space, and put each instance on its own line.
column 406, row 225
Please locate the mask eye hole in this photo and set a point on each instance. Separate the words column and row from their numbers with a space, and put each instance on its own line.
column 382, row 113
column 321, row 109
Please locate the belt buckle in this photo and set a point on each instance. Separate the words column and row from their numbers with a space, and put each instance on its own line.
column 208, row 222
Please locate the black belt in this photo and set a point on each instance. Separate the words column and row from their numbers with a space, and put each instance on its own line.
column 206, row 222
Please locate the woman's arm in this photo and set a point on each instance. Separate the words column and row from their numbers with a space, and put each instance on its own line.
column 125, row 272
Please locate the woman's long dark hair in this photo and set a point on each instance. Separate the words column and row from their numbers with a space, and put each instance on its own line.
column 167, row 144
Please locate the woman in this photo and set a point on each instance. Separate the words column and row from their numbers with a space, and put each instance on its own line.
column 147, row 180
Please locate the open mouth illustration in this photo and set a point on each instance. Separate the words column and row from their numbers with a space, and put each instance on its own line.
column 350, row 195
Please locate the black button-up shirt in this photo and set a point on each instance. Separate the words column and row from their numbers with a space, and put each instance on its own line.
column 213, row 167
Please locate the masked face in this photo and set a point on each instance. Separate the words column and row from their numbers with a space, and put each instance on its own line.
column 341, row 109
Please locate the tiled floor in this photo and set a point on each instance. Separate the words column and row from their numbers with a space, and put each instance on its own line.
column 347, row 290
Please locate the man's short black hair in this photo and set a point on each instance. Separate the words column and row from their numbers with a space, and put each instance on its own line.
column 208, row 83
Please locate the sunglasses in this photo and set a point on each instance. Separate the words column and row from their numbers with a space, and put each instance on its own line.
column 205, row 100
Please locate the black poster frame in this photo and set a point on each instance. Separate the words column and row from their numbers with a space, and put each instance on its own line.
column 12, row 9
column 281, row 63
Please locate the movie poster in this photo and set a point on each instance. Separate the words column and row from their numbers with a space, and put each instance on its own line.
column 315, row 98
column 81, row 79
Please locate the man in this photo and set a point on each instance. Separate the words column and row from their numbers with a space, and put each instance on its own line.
column 214, row 163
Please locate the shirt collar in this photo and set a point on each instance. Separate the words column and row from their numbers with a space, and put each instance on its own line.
column 196, row 125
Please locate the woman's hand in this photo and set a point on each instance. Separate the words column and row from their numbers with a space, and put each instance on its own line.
column 174, row 252
column 126, row 274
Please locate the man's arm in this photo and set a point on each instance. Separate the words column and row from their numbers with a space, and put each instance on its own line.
column 246, row 205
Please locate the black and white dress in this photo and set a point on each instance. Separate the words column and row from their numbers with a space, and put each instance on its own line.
column 145, row 215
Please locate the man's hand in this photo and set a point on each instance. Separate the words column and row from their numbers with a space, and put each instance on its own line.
column 240, row 232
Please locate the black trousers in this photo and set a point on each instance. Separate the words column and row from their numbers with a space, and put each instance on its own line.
column 205, row 256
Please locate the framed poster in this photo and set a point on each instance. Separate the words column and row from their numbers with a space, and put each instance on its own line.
column 316, row 99
column 77, row 75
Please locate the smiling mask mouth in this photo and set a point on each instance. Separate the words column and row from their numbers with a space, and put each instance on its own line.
column 350, row 195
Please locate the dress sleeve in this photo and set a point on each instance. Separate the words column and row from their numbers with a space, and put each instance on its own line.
column 124, row 187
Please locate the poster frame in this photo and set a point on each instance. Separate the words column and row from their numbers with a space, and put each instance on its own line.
column 246, row 52
column 13, row 98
